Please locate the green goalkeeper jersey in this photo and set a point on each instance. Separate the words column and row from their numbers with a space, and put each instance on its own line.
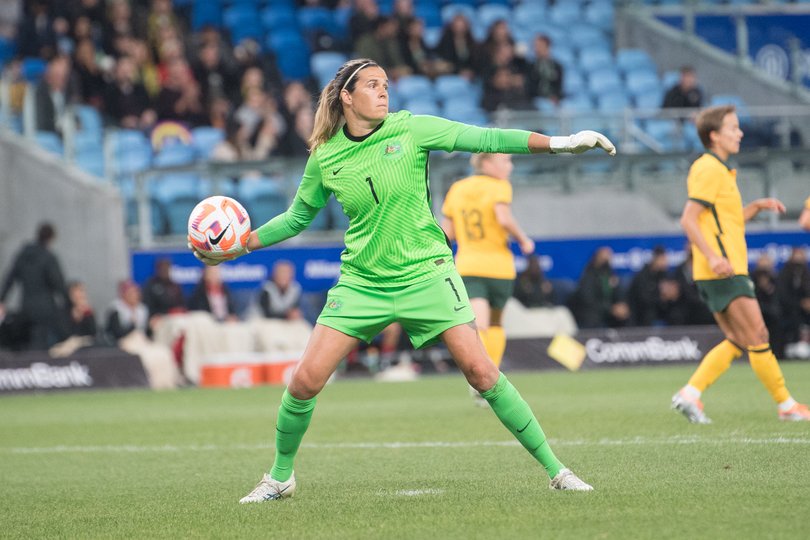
column 381, row 181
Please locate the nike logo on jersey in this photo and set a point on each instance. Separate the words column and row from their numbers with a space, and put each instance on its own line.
column 459, row 308
column 215, row 240
column 334, row 173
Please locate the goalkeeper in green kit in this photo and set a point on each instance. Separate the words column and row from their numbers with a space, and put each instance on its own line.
column 397, row 265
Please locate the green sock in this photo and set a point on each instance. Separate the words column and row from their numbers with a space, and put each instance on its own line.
column 514, row 413
column 293, row 420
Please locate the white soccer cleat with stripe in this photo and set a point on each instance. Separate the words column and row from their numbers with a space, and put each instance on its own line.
column 692, row 409
column 270, row 490
column 568, row 481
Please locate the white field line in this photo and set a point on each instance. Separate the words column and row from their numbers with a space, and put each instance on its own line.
column 169, row 448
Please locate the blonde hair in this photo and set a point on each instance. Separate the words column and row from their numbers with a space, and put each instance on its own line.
column 477, row 160
column 329, row 115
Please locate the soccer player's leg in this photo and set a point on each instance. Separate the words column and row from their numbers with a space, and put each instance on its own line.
column 507, row 404
column 746, row 316
column 326, row 348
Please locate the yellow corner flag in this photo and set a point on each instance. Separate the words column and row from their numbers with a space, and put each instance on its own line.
column 567, row 351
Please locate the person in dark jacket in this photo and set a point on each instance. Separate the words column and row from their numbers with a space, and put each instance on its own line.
column 793, row 290
column 643, row 296
column 161, row 294
column 81, row 319
column 597, row 302
column 213, row 296
column 36, row 269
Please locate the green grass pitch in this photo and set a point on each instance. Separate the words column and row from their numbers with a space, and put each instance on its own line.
column 410, row 460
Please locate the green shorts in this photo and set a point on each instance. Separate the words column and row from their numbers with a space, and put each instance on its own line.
column 495, row 291
column 718, row 293
column 424, row 309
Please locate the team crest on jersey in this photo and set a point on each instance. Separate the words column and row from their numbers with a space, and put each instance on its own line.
column 334, row 304
column 392, row 151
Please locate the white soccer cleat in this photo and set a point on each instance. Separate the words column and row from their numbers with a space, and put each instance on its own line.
column 692, row 409
column 270, row 490
column 567, row 480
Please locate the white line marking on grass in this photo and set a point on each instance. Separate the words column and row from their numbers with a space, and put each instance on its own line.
column 418, row 492
column 171, row 448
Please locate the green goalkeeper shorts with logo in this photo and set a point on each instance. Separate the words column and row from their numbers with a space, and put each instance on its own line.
column 424, row 309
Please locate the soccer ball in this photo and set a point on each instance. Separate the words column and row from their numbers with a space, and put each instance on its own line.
column 218, row 227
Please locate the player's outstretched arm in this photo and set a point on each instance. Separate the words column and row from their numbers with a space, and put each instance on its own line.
column 755, row 207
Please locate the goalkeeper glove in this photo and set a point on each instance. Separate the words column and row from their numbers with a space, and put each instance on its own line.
column 213, row 261
column 581, row 142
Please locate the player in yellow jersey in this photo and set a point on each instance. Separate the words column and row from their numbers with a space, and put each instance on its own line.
column 714, row 221
column 804, row 217
column 478, row 216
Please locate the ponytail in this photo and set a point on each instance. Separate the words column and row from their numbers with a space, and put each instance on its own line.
column 329, row 114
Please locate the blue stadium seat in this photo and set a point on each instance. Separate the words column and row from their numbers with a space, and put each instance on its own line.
column 276, row 17
column 89, row 119
column 284, row 40
column 649, row 100
column 665, row 132
column 429, row 13
column 206, row 13
column 670, row 78
column 641, row 81
column 582, row 36
column 593, row 59
column 316, row 19
column 545, row 105
column 565, row 13
column 87, row 141
column 33, row 69
column 451, row 10
column 204, row 140
column 732, row 99
column 562, row 54
column 453, row 87
column 294, row 63
column 178, row 194
column 240, row 14
column 91, row 161
column 573, row 82
column 325, row 64
column 174, row 154
column 422, row 106
column 600, row 14
column 130, row 152
column 530, row 14
column 263, row 198
column 432, row 36
column 633, row 59
column 613, row 102
column 468, row 113
column 7, row 49
column 691, row 137
column 578, row 103
column 50, row 142
column 604, row 80
column 415, row 86
column 489, row 14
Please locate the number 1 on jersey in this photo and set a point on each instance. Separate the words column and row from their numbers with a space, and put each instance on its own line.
column 373, row 193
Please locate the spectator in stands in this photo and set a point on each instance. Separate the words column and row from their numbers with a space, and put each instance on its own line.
column 10, row 16
column 597, row 302
column 404, row 15
column 417, row 56
column 532, row 289
column 696, row 311
column 294, row 142
column 793, row 288
column 281, row 295
column 545, row 73
column 643, row 295
column 804, row 217
column 179, row 98
column 39, row 274
column 213, row 296
column 382, row 45
column 505, row 80
column 362, row 21
column 458, row 47
column 498, row 34
column 36, row 36
column 129, row 327
column 217, row 79
column 81, row 319
column 161, row 294
column 53, row 95
column 261, row 125
column 673, row 309
column 161, row 16
column 17, row 85
column 126, row 100
column 122, row 21
column 249, row 57
column 145, row 67
column 686, row 93
column 90, row 76
column 764, row 277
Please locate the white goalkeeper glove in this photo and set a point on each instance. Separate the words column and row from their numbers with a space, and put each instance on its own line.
column 581, row 142
column 211, row 261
